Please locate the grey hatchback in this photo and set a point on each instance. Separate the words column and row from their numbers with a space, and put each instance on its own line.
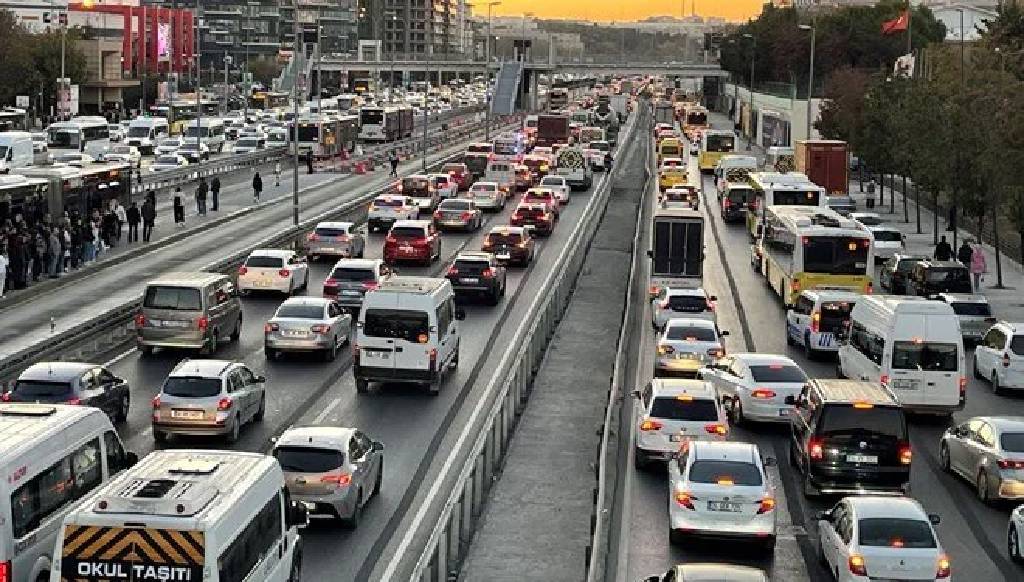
column 208, row 398
column 72, row 383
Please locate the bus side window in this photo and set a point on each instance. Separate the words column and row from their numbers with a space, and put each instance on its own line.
column 116, row 458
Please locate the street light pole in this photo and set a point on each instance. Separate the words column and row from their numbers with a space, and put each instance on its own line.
column 810, row 74
column 426, row 120
column 753, row 115
column 295, row 120
column 199, row 92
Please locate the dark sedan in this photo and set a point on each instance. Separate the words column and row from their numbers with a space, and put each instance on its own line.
column 479, row 274
column 73, row 383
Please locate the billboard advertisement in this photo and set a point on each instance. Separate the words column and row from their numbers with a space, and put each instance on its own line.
column 163, row 42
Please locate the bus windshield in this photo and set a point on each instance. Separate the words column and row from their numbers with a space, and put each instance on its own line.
column 697, row 118
column 193, row 131
column 375, row 117
column 64, row 138
column 835, row 255
column 720, row 143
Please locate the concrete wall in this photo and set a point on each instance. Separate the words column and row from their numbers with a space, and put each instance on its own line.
column 772, row 115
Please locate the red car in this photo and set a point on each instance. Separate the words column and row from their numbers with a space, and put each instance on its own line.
column 412, row 240
column 536, row 216
column 543, row 196
column 459, row 174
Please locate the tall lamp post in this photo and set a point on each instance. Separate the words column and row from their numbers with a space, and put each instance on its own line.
column 487, row 65
column 810, row 74
column 753, row 116
column 393, row 17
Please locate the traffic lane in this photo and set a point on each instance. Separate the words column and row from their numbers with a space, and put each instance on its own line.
column 407, row 420
column 972, row 533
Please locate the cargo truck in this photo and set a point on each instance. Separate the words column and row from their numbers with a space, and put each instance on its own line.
column 826, row 162
column 552, row 129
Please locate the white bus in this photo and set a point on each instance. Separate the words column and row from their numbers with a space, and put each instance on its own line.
column 89, row 135
column 211, row 130
column 804, row 247
column 390, row 123
column 774, row 189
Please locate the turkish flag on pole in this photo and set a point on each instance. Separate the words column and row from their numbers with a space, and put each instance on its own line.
column 898, row 24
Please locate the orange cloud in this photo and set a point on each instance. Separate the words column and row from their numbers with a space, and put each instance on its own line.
column 604, row 10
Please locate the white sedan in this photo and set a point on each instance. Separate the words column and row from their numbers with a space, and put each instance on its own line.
column 307, row 324
column 755, row 386
column 1014, row 531
column 168, row 145
column 444, row 185
column 278, row 270
column 721, row 489
column 559, row 185
column 168, row 162
column 669, row 303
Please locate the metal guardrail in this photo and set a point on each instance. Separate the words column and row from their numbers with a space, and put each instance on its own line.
column 452, row 531
column 116, row 326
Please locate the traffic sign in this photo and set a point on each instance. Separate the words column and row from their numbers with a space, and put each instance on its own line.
column 21, row 101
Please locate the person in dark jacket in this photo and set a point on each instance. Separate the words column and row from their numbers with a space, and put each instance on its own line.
column 215, row 192
column 943, row 252
column 201, row 192
column 134, row 218
column 964, row 254
column 309, row 162
column 148, row 218
column 179, row 209
column 257, row 186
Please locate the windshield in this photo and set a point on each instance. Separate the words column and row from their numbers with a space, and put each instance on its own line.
column 972, row 309
column 3, row 152
column 300, row 311
column 371, row 117
column 1012, row 442
column 670, row 150
column 453, row 168
column 172, row 160
column 835, row 255
column 692, row 409
column 414, row 184
column 408, row 232
column 308, row 459
column 688, row 303
column 476, row 163
column 330, row 231
column 696, row 118
column 732, row 472
column 888, row 236
column 719, row 143
column 503, row 239
column 878, row 420
column 64, row 138
column 891, row 532
column 404, row 324
column 924, row 356
column 175, row 298
column 248, row 143
column 264, row 261
column 834, row 314
column 553, row 182
column 868, row 220
column 1017, row 345
column 192, row 131
column 946, row 275
column 777, row 373
column 907, row 265
column 192, row 387
column 691, row 333
column 32, row 389
column 455, row 205
column 138, row 131
column 390, row 202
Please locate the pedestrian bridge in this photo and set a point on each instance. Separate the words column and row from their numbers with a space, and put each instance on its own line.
column 465, row 66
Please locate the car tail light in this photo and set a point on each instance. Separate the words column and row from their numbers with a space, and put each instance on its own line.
column 284, row 273
column 487, row 273
column 420, row 242
column 649, row 425
column 433, row 359
column 140, row 320
column 816, row 449
column 795, row 286
column 906, row 455
column 438, row 215
column 763, row 393
column 6, row 397
column 870, row 289
column 452, row 271
column 341, row 479
column 767, row 504
column 269, row 327
column 224, row 404
column 685, row 499
column 313, row 237
column 716, row 428
column 942, row 567
column 329, row 282
column 390, row 239
column 243, row 270
column 884, row 380
column 716, row 352
column 1006, row 359
column 726, row 204
column 663, row 303
column 156, row 402
column 355, row 354
column 856, row 564
column 6, row 575
column 370, row 285
column 816, row 321
column 1010, row 464
column 202, row 323
column 74, row 400
column 319, row 328
column 963, row 386
column 466, row 215
column 663, row 350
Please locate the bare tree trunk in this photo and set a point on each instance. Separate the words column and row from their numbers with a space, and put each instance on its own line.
column 906, row 207
column 999, row 261
column 892, row 194
column 917, row 206
column 935, row 217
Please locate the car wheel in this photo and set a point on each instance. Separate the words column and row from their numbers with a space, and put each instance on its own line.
column 640, row 462
column 997, row 389
column 982, row 488
column 454, row 365
column 495, row 297
column 235, row 428
column 235, row 335
column 331, row 353
column 305, row 280
column 676, row 537
column 262, row 411
column 977, row 372
column 146, row 350
column 380, row 479
column 809, row 352
column 944, row 458
column 789, row 337
column 362, row 386
column 122, row 411
column 357, row 512
column 1013, row 545
column 736, row 409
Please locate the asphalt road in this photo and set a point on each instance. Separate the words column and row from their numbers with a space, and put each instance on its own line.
column 973, row 534
column 304, row 390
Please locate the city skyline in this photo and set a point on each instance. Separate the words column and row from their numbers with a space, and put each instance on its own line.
column 735, row 10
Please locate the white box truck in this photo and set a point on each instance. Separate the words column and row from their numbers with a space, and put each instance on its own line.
column 15, row 150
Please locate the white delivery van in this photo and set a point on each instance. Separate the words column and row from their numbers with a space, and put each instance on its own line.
column 571, row 163
column 16, row 150
column 910, row 345
column 503, row 173
column 733, row 168
column 145, row 132
column 407, row 332
column 212, row 131
column 188, row 516
column 46, row 447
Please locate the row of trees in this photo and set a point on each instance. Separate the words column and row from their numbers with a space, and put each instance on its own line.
column 31, row 62
column 954, row 129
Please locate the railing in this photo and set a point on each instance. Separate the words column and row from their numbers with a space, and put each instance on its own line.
column 192, row 172
column 452, row 530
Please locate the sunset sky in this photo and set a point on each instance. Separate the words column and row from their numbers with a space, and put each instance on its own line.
column 629, row 10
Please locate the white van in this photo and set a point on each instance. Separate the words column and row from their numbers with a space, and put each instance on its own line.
column 16, row 150
column 145, row 132
column 740, row 166
column 45, row 447
column 407, row 332
column 211, row 131
column 910, row 345
column 571, row 163
column 186, row 515
column 503, row 172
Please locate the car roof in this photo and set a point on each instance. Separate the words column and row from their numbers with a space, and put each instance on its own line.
column 474, row 256
column 666, row 161
column 882, row 227
column 870, row 506
column 559, row 178
column 279, row 253
column 962, row 297
column 944, row 264
column 484, row 183
column 55, row 371
column 392, row 196
column 690, row 322
column 1004, row 423
column 335, row 224
column 849, row 391
column 416, row 176
column 201, row 368
column 724, row 450
column 334, row 437
column 411, row 224
column 681, row 386
column 359, row 263
column 909, row 257
column 719, row 573
column 1014, row 327
column 680, row 292
column 320, row 301
column 831, row 295
column 751, row 358
column 506, row 229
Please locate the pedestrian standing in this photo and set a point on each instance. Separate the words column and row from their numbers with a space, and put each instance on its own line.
column 121, row 215
column 88, row 243
column 201, row 192
column 133, row 217
column 215, row 192
column 943, row 252
column 257, row 186
column 148, row 219
column 309, row 163
column 56, row 255
column 393, row 158
column 964, row 254
column 3, row 270
column 39, row 257
column 179, row 210
column 76, row 242
column 978, row 266
column 277, row 176
column 109, row 226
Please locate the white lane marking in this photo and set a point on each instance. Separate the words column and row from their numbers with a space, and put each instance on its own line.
column 119, row 357
column 326, row 411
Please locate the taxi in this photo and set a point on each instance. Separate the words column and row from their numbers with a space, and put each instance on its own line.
column 670, row 147
column 524, row 178
column 671, row 173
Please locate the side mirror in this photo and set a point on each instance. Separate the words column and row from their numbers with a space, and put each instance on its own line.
column 460, row 314
column 769, row 461
column 298, row 515
column 130, row 459
column 378, row 446
column 934, row 518
column 790, row 400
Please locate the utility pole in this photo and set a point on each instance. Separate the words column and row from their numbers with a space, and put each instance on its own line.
column 753, row 115
column 63, row 42
column 810, row 73
column 426, row 120
column 319, row 61
column 199, row 92
column 227, row 62
column 295, row 119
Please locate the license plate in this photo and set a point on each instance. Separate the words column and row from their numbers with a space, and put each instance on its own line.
column 727, row 506
column 869, row 459
column 783, row 412
column 295, row 333
column 470, row 280
column 405, row 249
column 350, row 293
column 167, row 323
column 503, row 256
column 676, row 438
column 187, row 414
column 261, row 283
column 375, row 355
column 905, row 384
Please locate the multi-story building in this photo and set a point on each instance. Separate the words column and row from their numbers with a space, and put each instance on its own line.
column 415, row 29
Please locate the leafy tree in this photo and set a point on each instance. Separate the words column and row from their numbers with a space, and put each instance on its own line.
column 264, row 70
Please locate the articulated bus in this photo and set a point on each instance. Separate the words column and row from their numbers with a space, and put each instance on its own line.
column 774, row 189
column 182, row 110
column 714, row 144
column 695, row 120
column 22, row 195
column 327, row 135
column 390, row 123
column 805, row 247
column 80, row 190
column 677, row 249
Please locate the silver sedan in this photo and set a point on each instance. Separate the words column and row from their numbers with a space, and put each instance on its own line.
column 987, row 451
column 339, row 239
column 307, row 324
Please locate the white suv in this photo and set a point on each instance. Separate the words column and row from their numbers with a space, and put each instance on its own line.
column 999, row 358
column 386, row 209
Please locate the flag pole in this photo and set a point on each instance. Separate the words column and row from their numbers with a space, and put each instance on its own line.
column 910, row 19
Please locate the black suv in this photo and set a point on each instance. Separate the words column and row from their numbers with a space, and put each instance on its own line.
column 849, row 437
column 893, row 276
column 930, row 277
column 478, row 274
